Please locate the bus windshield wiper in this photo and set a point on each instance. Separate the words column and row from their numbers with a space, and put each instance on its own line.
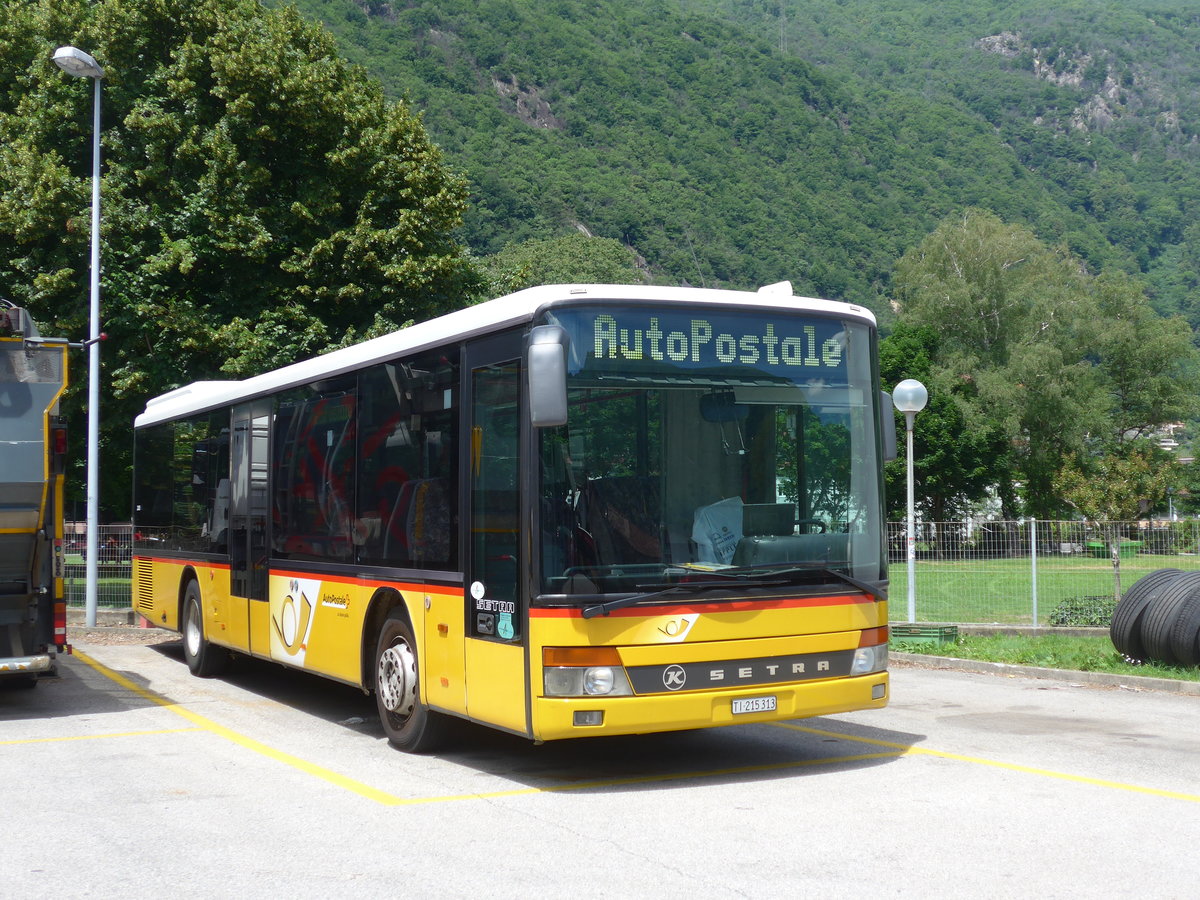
column 787, row 569
column 714, row 580
column 767, row 576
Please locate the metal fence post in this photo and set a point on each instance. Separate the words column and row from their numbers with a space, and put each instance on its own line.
column 1033, row 564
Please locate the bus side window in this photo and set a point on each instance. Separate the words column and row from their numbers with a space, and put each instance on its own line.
column 407, row 464
column 315, row 451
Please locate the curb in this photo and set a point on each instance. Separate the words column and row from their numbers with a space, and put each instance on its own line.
column 1097, row 679
column 77, row 617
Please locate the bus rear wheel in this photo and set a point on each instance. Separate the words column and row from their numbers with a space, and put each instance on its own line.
column 203, row 658
column 409, row 724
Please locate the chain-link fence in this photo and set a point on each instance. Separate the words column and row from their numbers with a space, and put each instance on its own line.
column 1045, row 573
column 1030, row 572
column 113, row 568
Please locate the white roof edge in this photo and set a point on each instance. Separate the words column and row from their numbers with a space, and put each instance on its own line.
column 195, row 389
column 493, row 315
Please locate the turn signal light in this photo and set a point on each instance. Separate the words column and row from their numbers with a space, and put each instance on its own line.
column 872, row 636
column 580, row 656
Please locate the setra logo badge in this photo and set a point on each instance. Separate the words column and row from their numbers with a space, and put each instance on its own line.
column 674, row 677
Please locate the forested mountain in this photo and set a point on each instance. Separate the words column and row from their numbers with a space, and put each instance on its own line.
column 740, row 142
column 1101, row 99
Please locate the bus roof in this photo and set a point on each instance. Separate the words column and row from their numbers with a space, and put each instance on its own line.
column 484, row 318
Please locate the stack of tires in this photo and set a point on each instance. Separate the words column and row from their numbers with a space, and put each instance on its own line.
column 1158, row 619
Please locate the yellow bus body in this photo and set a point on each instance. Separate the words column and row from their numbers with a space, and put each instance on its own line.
column 708, row 633
column 319, row 625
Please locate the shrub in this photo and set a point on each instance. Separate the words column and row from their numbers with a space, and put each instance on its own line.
column 1090, row 611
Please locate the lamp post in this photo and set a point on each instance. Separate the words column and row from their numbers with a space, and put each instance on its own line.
column 910, row 398
column 76, row 62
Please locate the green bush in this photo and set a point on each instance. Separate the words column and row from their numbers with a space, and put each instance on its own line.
column 1092, row 611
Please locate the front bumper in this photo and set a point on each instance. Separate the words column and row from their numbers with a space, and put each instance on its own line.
column 555, row 718
column 26, row 665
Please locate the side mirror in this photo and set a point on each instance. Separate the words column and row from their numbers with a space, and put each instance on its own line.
column 888, row 420
column 546, row 369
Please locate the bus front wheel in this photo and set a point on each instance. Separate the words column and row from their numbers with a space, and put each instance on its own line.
column 409, row 724
column 203, row 658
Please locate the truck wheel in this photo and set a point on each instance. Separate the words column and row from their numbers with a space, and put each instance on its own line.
column 203, row 658
column 409, row 724
column 1126, row 627
column 1161, row 614
column 1185, row 632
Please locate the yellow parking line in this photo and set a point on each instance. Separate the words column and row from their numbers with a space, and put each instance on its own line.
column 94, row 737
column 890, row 749
column 240, row 739
column 904, row 750
column 387, row 799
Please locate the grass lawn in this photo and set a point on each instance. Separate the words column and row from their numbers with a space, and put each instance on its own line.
column 113, row 584
column 1053, row 651
column 1001, row 590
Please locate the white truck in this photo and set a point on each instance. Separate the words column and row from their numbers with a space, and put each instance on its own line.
column 33, row 444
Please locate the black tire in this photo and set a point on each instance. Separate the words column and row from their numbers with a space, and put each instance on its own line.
column 1185, row 632
column 1126, row 628
column 203, row 658
column 1160, row 616
column 409, row 724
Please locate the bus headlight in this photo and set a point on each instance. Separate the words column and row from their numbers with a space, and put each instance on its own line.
column 869, row 659
column 584, row 672
column 586, row 681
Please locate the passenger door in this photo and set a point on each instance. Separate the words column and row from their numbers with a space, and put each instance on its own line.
column 250, row 465
column 496, row 610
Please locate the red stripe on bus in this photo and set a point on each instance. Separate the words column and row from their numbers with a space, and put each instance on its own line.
column 336, row 579
column 676, row 608
column 194, row 563
column 371, row 582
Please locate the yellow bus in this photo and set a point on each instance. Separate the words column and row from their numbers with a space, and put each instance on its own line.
column 575, row 510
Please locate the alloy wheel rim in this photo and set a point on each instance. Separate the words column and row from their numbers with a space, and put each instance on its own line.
column 397, row 679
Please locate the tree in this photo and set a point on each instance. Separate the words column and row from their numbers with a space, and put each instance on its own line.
column 1030, row 345
column 573, row 258
column 1054, row 362
column 261, row 199
column 1149, row 364
column 1112, row 487
column 1007, row 312
column 955, row 466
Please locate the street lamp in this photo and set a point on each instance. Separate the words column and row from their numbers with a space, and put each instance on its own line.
column 76, row 62
column 910, row 398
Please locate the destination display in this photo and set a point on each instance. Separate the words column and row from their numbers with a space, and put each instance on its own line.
column 781, row 345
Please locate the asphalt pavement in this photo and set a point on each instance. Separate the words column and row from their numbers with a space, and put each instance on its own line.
column 135, row 779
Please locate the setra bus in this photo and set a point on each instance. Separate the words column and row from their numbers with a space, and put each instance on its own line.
column 575, row 510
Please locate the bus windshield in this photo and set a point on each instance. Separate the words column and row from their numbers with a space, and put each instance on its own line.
column 710, row 440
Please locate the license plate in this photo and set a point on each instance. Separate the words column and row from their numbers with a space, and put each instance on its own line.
column 753, row 705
